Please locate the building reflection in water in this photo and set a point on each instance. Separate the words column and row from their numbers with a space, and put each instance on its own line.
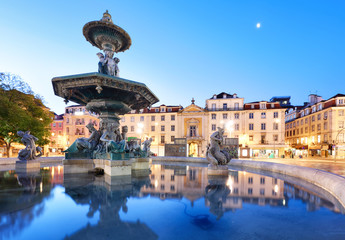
column 226, row 194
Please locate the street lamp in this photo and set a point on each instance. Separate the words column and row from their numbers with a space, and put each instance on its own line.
column 156, row 124
column 336, row 142
column 229, row 126
column 274, row 140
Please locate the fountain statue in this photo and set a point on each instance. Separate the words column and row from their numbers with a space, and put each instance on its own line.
column 106, row 94
column 30, row 150
column 214, row 154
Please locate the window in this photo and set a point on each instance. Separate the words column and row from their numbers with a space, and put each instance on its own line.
column 306, row 121
column 123, row 119
column 341, row 112
column 318, row 138
column 67, row 130
column 172, row 128
column 162, row 139
column 172, row 178
column 54, row 124
column 263, row 126
column 172, row 117
column 262, row 191
column 60, row 125
column 262, row 180
column 213, row 106
column 250, row 180
column 214, row 116
column 162, row 177
column 313, row 128
column 341, row 124
column 253, row 106
column 132, row 119
column 237, row 116
column 162, row 128
column 263, row 106
column 153, row 118
column 306, row 129
column 275, row 138
column 325, row 126
column 251, row 126
column 319, row 127
column 313, row 118
column 301, row 130
column 275, row 126
column 162, row 118
column 225, row 116
column 153, row 128
column 132, row 128
column 153, row 138
column 237, row 127
column 142, row 118
column 172, row 139
column 250, row 191
column 225, row 106
column 275, row 115
column 251, row 138
column 251, row 115
column 263, row 115
column 319, row 116
column 162, row 109
column 169, row 109
column 67, row 120
column 192, row 131
column 162, row 187
column 237, row 106
column 341, row 101
column 213, row 127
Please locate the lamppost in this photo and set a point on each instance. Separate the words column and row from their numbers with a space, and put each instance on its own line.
column 336, row 142
column 156, row 125
column 276, row 121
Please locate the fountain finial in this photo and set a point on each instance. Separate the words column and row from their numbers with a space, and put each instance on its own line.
column 106, row 17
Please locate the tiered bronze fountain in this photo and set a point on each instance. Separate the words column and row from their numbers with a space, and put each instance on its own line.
column 108, row 95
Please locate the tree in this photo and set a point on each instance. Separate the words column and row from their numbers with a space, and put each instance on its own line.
column 21, row 110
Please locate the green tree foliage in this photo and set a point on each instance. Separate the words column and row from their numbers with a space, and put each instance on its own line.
column 21, row 110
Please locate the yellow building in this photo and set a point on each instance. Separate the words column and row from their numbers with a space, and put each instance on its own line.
column 317, row 128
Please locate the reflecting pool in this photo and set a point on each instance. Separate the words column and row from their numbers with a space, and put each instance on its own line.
column 170, row 202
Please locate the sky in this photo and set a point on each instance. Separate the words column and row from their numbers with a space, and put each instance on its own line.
column 184, row 49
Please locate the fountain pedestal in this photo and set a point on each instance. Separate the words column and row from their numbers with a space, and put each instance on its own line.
column 31, row 166
column 218, row 170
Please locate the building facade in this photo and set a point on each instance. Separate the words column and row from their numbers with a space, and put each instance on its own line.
column 317, row 128
column 258, row 127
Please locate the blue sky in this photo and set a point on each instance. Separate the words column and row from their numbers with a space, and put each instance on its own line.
column 184, row 49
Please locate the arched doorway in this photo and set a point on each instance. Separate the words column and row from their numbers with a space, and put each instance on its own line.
column 193, row 149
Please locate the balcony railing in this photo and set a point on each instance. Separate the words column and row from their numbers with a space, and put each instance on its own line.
column 223, row 109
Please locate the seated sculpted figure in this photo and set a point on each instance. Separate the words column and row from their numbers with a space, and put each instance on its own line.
column 112, row 138
column 30, row 150
column 214, row 155
column 86, row 144
column 147, row 146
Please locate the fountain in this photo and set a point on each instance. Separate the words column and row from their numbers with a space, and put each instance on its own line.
column 108, row 95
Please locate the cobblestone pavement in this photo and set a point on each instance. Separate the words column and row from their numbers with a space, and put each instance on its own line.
column 336, row 166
